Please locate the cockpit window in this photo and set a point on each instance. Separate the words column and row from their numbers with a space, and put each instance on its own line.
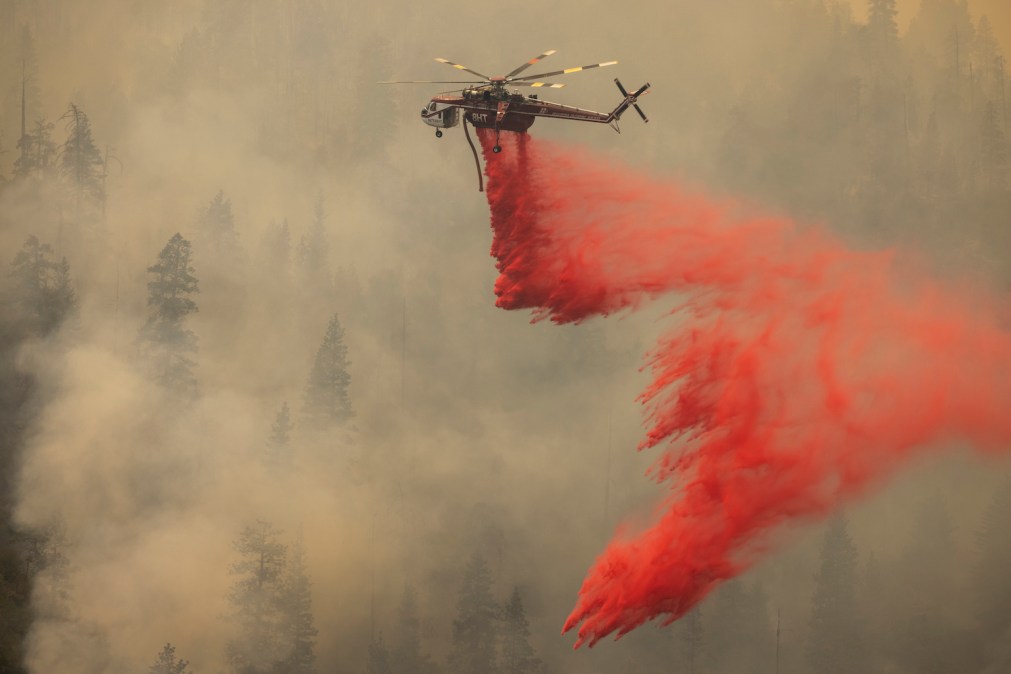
column 431, row 106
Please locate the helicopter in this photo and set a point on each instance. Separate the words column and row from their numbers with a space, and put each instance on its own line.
column 489, row 103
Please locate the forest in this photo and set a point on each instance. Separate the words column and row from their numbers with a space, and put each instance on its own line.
column 259, row 413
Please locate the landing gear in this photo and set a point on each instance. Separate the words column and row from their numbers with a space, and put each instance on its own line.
column 497, row 149
column 438, row 133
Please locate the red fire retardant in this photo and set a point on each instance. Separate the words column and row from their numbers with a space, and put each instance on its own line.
column 800, row 372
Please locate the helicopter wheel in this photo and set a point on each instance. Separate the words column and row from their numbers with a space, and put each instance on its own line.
column 438, row 133
column 497, row 149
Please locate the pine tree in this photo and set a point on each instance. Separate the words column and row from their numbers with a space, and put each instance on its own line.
column 164, row 338
column 168, row 664
column 296, row 606
column 925, row 623
column 36, row 151
column 257, row 602
column 216, row 228
column 835, row 644
column 990, row 585
column 314, row 250
column 518, row 655
column 42, row 288
column 881, row 23
column 275, row 250
column 379, row 657
column 878, row 607
column 48, row 568
column 327, row 398
column 280, row 437
column 688, row 638
column 475, row 638
column 994, row 149
column 81, row 161
column 986, row 53
column 741, row 634
column 28, row 58
column 407, row 656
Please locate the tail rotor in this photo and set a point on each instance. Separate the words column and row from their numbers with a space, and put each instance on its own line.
column 630, row 100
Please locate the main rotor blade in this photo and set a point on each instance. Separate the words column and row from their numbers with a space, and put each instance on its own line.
column 431, row 82
column 546, row 85
column 566, row 71
column 532, row 61
column 460, row 67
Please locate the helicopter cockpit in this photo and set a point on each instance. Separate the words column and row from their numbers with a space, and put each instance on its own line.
column 440, row 119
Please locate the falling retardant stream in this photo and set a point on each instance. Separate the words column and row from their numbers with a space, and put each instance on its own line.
column 800, row 375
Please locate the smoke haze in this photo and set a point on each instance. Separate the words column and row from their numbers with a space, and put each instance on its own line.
column 473, row 431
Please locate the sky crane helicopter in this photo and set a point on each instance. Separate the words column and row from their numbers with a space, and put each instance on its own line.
column 488, row 103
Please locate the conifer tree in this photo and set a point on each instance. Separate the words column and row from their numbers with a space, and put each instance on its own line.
column 257, row 602
column 299, row 631
column 36, row 151
column 379, row 657
column 924, row 617
column 881, row 21
column 986, row 53
column 81, row 162
column 990, row 580
column 168, row 664
column 276, row 250
column 518, row 655
column 327, row 398
column 42, row 288
column 280, row 437
column 688, row 639
column 835, row 642
column 475, row 636
column 164, row 338
column 28, row 58
column 407, row 656
column 739, row 627
column 216, row 228
column 994, row 147
column 314, row 250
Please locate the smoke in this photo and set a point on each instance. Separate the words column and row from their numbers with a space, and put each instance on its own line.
column 799, row 372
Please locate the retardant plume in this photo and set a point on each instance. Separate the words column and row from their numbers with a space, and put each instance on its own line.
column 799, row 374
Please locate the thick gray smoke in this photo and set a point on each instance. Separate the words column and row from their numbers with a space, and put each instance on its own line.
column 473, row 430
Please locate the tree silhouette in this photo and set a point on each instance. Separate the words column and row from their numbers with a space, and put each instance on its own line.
column 164, row 339
column 475, row 635
column 36, row 151
column 314, row 250
column 42, row 288
column 518, row 656
column 278, row 443
column 990, row 580
column 327, row 398
column 379, row 657
column 257, row 600
column 994, row 149
column 407, row 656
column 216, row 229
column 81, row 162
column 835, row 644
column 298, row 630
column 168, row 664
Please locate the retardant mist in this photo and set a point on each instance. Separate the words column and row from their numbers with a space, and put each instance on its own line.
column 798, row 375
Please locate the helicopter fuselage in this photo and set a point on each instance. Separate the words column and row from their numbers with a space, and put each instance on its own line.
column 495, row 107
